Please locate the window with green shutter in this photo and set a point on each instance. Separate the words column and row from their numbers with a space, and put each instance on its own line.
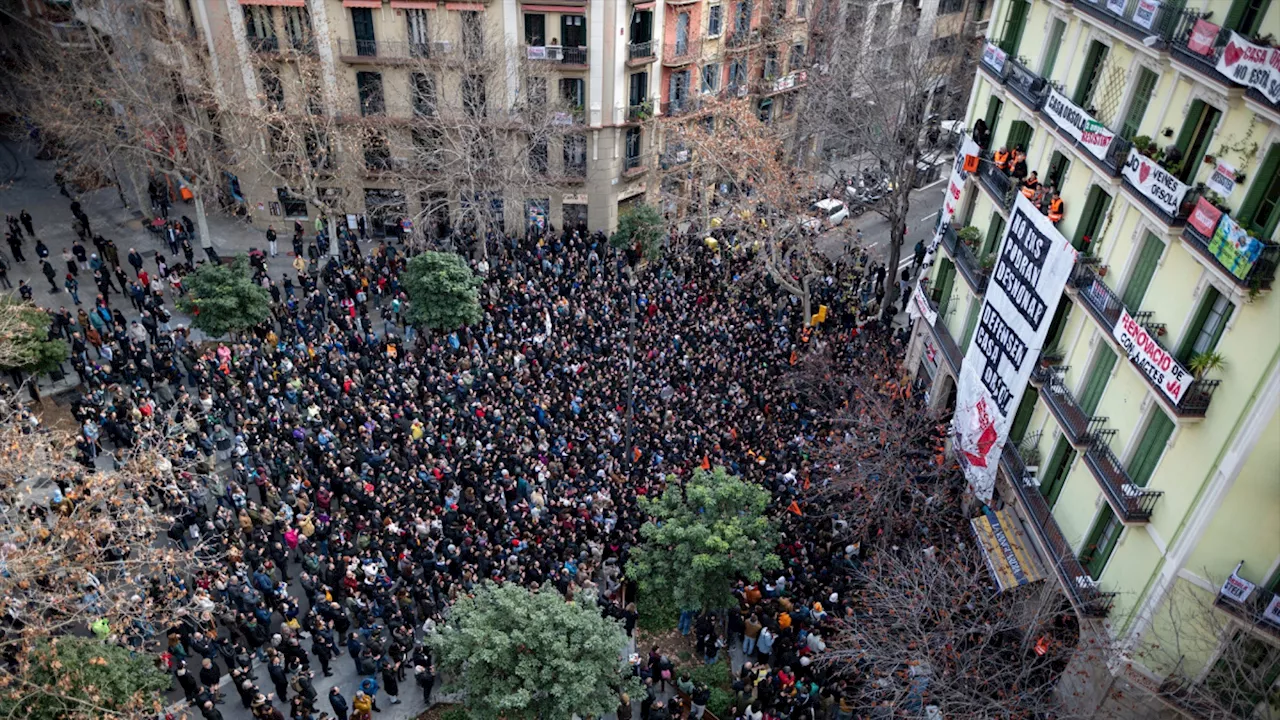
column 1244, row 673
column 1022, row 418
column 1206, row 327
column 1150, row 448
column 1054, row 475
column 1015, row 20
column 1143, row 268
column 994, row 106
column 1090, row 75
column 942, row 286
column 970, row 323
column 1103, row 364
column 1101, row 542
column 1059, row 164
column 1245, row 16
column 1054, row 42
column 1019, row 136
column 1095, row 211
column 1193, row 141
column 994, row 232
column 1138, row 104
column 1260, row 213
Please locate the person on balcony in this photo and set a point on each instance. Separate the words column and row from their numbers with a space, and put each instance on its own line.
column 1031, row 188
column 1055, row 208
column 1018, row 163
column 1001, row 159
column 981, row 133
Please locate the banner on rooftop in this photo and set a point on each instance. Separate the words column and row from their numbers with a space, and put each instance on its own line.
column 1030, row 272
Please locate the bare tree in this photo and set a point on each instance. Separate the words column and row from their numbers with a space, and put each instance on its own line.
column 137, row 96
column 931, row 630
column 759, row 204
column 86, row 550
column 877, row 95
column 489, row 124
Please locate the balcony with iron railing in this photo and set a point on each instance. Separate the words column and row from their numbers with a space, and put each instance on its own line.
column 682, row 106
column 1085, row 596
column 639, row 112
column 1063, row 406
column 633, row 164
column 999, row 185
column 1136, row 21
column 573, row 56
column 1255, row 277
column 382, row 51
column 675, row 54
column 1106, row 308
column 971, row 268
column 1131, row 503
column 639, row 53
column 1198, row 45
column 1025, row 84
column 742, row 38
column 950, row 351
column 259, row 44
column 1252, row 613
column 1175, row 219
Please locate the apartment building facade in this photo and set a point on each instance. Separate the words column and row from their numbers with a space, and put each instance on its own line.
column 1143, row 457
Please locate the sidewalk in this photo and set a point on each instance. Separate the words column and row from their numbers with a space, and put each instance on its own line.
column 34, row 190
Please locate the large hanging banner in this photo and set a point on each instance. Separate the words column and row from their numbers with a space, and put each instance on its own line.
column 1026, row 284
column 1252, row 65
column 1151, row 360
column 1079, row 124
column 1154, row 182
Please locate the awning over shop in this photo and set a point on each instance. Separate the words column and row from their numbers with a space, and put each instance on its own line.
column 278, row 3
column 1009, row 554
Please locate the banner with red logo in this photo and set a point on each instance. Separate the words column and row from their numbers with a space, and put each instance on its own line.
column 1204, row 218
column 955, row 188
column 1154, row 182
column 1145, row 14
column 1252, row 65
column 1203, row 35
column 1031, row 269
column 1079, row 124
column 1236, row 588
column 1151, row 360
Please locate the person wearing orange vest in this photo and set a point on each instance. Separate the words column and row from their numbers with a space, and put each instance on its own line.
column 1055, row 208
column 1031, row 187
column 1001, row 159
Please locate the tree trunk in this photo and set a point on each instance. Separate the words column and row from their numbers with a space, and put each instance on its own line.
column 897, row 236
column 202, row 222
column 805, row 301
column 334, row 249
column 144, row 202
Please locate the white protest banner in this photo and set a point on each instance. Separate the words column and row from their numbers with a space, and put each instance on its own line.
column 1145, row 13
column 1079, row 124
column 1252, row 65
column 955, row 188
column 1272, row 613
column 1031, row 269
column 1154, row 182
column 1236, row 588
column 919, row 307
column 1223, row 179
column 1151, row 360
column 1116, row 6
column 994, row 58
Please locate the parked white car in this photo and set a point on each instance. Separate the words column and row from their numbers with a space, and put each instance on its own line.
column 835, row 211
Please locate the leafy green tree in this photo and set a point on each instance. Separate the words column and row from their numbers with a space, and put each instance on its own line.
column 224, row 299
column 25, row 344
column 640, row 229
column 443, row 292
column 703, row 536
column 71, row 678
column 523, row 655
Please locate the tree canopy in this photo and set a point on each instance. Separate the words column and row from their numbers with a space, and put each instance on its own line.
column 80, row 677
column 24, row 339
column 640, row 229
column 702, row 537
column 223, row 299
column 443, row 291
column 523, row 655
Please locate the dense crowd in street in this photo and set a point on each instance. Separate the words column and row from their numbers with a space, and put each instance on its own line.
column 356, row 475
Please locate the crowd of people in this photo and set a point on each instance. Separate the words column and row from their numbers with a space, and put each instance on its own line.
column 356, row 475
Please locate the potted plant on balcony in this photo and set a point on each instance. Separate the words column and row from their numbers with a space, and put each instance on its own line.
column 969, row 235
column 1051, row 356
column 987, row 262
column 1206, row 362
